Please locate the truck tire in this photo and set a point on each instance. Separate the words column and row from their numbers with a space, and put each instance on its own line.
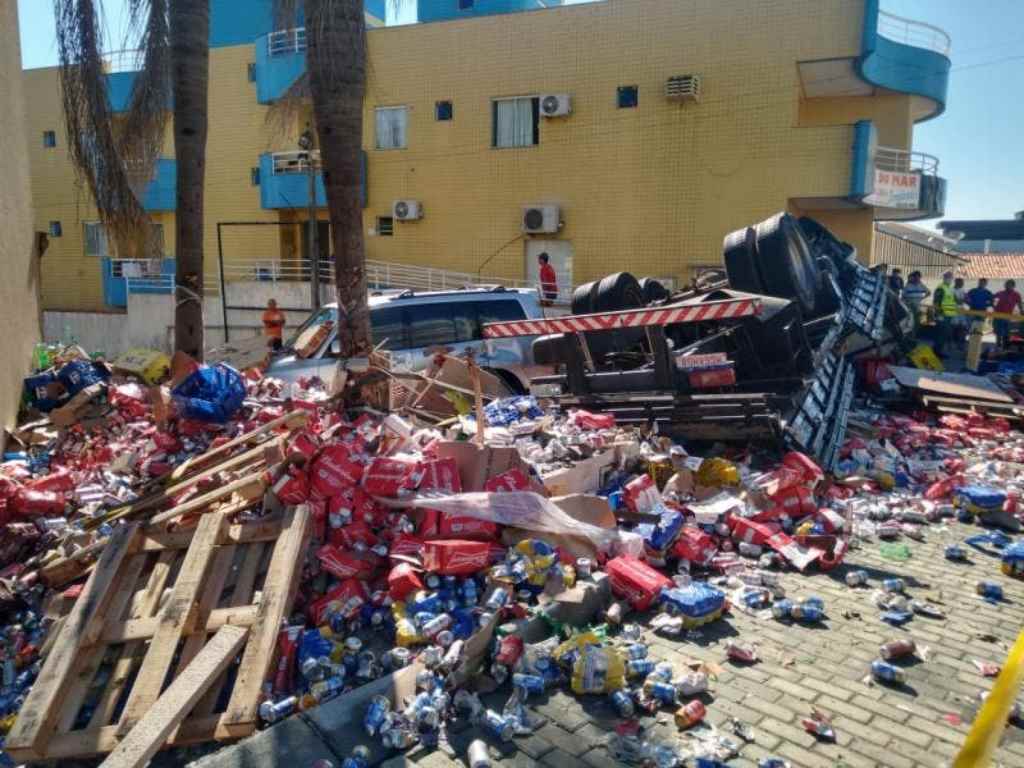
column 618, row 291
column 785, row 263
column 739, row 250
column 581, row 299
column 653, row 290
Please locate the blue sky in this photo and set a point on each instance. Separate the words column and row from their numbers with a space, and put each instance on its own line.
column 977, row 140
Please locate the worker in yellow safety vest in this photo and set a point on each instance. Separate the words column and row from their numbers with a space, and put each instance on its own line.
column 946, row 310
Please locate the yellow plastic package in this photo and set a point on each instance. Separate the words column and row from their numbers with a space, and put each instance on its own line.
column 717, row 473
column 596, row 669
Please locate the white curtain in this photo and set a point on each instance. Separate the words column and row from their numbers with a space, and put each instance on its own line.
column 514, row 123
column 391, row 122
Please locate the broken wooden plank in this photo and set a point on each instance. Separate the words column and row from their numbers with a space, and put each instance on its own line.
column 251, row 486
column 146, row 738
column 38, row 714
column 280, row 585
column 951, row 384
column 176, row 619
column 143, row 629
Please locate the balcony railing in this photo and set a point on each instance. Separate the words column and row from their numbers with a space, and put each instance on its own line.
column 128, row 60
column 296, row 162
column 286, row 41
column 915, row 33
column 902, row 161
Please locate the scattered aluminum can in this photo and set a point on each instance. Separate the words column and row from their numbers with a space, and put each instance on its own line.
column 750, row 550
column 884, row 672
column 623, row 703
column 783, row 609
column 477, row 755
column 272, row 711
column 990, row 590
column 894, row 586
column 584, row 568
column 689, row 715
column 856, row 578
column 531, row 684
column 665, row 693
column 956, row 553
column 497, row 725
column 897, row 649
column 738, row 652
column 376, row 714
column 636, row 651
column 640, row 667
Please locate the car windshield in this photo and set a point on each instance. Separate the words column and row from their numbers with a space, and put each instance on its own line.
column 315, row 325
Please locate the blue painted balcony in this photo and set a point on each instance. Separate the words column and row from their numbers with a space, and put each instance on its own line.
column 899, row 184
column 160, row 193
column 445, row 10
column 906, row 56
column 122, row 277
column 284, row 180
column 280, row 61
column 122, row 68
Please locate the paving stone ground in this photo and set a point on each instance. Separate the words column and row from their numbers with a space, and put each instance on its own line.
column 824, row 667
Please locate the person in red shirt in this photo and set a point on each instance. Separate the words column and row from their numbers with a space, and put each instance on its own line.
column 273, row 324
column 1009, row 302
column 548, row 279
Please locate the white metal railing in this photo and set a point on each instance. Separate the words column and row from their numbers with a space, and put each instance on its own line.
column 135, row 268
column 295, row 162
column 903, row 161
column 384, row 274
column 916, row 33
column 152, row 284
column 128, row 60
column 285, row 41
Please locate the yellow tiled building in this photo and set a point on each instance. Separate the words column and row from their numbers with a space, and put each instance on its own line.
column 674, row 122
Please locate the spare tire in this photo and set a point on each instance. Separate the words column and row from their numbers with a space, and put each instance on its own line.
column 739, row 250
column 653, row 290
column 618, row 291
column 581, row 299
column 785, row 263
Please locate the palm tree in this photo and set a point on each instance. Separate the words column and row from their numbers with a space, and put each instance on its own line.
column 115, row 158
column 336, row 76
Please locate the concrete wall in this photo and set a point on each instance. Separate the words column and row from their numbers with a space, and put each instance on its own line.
column 149, row 319
column 19, row 289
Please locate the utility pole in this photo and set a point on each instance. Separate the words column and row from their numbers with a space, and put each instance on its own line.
column 306, row 143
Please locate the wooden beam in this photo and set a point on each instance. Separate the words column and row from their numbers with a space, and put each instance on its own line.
column 143, row 629
column 98, row 741
column 38, row 715
column 146, row 738
column 176, row 619
column 279, row 589
column 248, row 485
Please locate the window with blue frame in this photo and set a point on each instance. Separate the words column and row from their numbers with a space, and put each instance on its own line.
column 252, row 72
column 254, row 176
column 49, row 139
column 444, row 110
column 55, row 230
column 629, row 96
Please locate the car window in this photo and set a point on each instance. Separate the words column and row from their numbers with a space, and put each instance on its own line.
column 467, row 327
column 500, row 311
column 430, row 325
column 307, row 330
column 388, row 327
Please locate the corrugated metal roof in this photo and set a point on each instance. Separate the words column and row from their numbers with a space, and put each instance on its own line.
column 994, row 265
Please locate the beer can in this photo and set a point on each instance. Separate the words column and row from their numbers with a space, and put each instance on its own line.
column 897, row 649
column 375, row 715
column 895, row 586
column 639, row 667
column 636, row 651
column 623, row 703
column 782, row 609
column 689, row 715
column 750, row 550
column 663, row 692
column 807, row 613
column 497, row 725
column 856, row 578
column 478, row 756
column 584, row 568
column 743, row 653
column 531, row 684
column 990, row 590
column 887, row 673
column 956, row 553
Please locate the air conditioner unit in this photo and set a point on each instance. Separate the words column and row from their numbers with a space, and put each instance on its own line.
column 407, row 210
column 683, row 88
column 539, row 219
column 555, row 105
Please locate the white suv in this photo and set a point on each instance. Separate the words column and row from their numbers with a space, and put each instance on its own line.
column 414, row 326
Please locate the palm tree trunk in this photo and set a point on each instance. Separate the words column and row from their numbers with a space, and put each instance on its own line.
column 336, row 62
column 190, row 56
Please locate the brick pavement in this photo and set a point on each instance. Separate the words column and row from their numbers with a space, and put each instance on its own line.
column 822, row 667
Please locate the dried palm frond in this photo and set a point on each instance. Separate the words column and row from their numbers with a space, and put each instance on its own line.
column 114, row 157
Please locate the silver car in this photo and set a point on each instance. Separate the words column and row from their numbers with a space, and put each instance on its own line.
column 413, row 327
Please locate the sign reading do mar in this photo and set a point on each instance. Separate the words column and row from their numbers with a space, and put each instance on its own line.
column 895, row 190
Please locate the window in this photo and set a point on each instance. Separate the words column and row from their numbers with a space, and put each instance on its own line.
column 431, row 325
column 55, row 230
column 465, row 5
column 387, row 325
column 95, row 240
column 516, row 122
column 385, row 226
column 49, row 139
column 254, row 176
column 629, row 96
column 390, row 124
column 251, row 67
column 443, row 110
column 501, row 311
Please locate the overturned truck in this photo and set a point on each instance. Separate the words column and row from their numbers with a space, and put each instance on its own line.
column 759, row 353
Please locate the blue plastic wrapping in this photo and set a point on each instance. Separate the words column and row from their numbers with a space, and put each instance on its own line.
column 79, row 374
column 212, row 393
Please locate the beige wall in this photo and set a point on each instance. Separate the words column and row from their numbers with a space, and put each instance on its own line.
column 18, row 289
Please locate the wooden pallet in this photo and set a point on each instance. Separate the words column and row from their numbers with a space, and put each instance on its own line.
column 148, row 609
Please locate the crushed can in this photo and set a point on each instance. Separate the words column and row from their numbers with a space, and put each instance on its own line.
column 663, row 693
column 990, row 590
column 359, row 758
column 956, row 553
column 530, row 684
column 497, row 725
column 782, row 609
column 856, row 578
column 894, row 586
column 808, row 613
column 477, row 755
column 884, row 672
column 897, row 649
column 691, row 684
column 622, row 702
column 690, row 714
column 640, row 667
column 376, row 714
column 746, row 654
